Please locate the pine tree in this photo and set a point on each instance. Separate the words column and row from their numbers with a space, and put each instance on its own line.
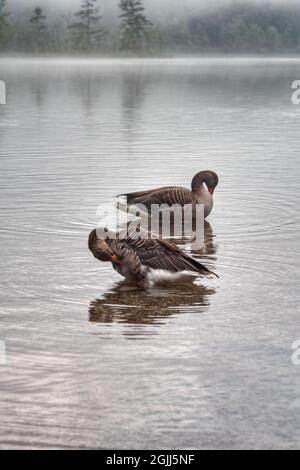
column 133, row 26
column 38, row 36
column 38, row 20
column 5, row 28
column 89, row 30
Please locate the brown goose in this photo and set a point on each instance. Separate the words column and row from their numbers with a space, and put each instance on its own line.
column 133, row 257
column 200, row 194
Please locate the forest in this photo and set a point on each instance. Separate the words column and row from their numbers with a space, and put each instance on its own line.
column 241, row 28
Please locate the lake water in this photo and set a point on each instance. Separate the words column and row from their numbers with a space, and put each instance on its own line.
column 181, row 365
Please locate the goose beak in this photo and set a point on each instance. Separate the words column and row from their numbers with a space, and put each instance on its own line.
column 211, row 190
column 116, row 260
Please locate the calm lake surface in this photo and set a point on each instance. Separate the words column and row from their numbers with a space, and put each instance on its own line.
column 90, row 363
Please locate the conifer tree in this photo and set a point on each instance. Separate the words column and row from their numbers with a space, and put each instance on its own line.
column 38, row 33
column 133, row 26
column 88, row 31
column 5, row 28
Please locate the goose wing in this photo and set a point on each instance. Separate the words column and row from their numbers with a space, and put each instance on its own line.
column 164, row 254
column 168, row 195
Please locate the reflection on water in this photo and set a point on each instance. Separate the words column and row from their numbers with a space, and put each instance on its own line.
column 209, row 249
column 125, row 305
column 73, row 135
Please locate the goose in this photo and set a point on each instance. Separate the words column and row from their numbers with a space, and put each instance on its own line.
column 134, row 257
column 203, row 186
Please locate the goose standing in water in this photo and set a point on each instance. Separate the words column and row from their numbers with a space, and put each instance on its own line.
column 134, row 257
column 203, row 187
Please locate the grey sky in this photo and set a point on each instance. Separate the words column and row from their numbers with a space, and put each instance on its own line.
column 150, row 4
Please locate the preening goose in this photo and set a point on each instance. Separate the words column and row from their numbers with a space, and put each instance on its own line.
column 134, row 257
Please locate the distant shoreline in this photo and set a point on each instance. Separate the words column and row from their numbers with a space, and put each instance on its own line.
column 109, row 59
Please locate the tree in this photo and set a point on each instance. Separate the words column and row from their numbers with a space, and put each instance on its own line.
column 234, row 34
column 256, row 38
column 5, row 28
column 89, row 30
column 273, row 39
column 38, row 37
column 133, row 26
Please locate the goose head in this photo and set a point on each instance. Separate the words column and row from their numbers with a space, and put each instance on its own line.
column 101, row 249
column 210, row 178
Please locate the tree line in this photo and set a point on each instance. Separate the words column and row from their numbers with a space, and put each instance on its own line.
column 239, row 28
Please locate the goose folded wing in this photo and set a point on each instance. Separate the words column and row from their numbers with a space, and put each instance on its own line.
column 164, row 254
column 169, row 195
